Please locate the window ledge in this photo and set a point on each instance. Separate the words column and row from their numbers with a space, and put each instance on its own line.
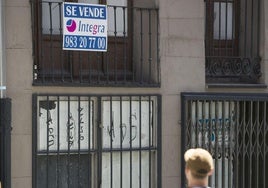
column 220, row 85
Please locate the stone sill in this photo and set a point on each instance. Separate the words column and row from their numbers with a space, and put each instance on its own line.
column 220, row 85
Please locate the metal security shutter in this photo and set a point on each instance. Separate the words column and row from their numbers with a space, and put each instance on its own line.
column 233, row 127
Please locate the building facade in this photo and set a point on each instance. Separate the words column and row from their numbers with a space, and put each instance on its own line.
column 176, row 74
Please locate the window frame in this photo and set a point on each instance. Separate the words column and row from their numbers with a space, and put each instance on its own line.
column 218, row 47
column 97, row 151
column 53, row 63
column 240, row 62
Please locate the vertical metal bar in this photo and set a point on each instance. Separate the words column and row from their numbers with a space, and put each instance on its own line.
column 42, row 46
column 80, row 67
column 68, row 140
column 226, row 29
column 141, row 46
column 140, row 145
column 222, row 127
column 99, row 140
column 211, row 6
column 36, row 134
column 234, row 15
column 243, row 143
column 121, row 143
column 131, row 9
column 257, row 115
column 151, row 133
column 237, row 145
column 196, row 124
column 259, row 12
column 158, row 48
column 233, row 143
column 34, row 46
column 207, row 46
column 159, row 141
column 252, row 29
column 219, row 43
column 245, row 29
column 79, row 141
column 250, row 142
column 89, row 65
column 183, row 135
column 70, row 61
column 89, row 142
column 115, row 44
column 47, row 151
column 217, row 106
column 264, row 145
column 125, row 44
column 130, row 139
column 61, row 33
column 210, row 130
column 150, row 144
column 202, row 125
column 111, row 140
column 101, row 64
column 150, row 48
column 51, row 41
column 189, row 112
column 230, row 145
column 58, row 141
column 35, row 108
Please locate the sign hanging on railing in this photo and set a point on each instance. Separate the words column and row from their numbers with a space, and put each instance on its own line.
column 84, row 27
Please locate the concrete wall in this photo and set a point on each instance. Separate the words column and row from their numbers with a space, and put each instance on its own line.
column 182, row 69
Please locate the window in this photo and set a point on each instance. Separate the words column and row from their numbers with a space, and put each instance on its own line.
column 232, row 41
column 96, row 141
column 221, row 17
column 122, row 64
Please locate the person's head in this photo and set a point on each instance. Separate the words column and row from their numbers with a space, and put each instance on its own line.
column 198, row 165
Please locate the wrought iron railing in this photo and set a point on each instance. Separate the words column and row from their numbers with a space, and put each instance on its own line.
column 232, row 41
column 234, row 128
column 132, row 58
column 5, row 142
column 96, row 141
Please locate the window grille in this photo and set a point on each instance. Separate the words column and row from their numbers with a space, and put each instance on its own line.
column 5, row 142
column 96, row 141
column 232, row 41
column 132, row 58
column 233, row 127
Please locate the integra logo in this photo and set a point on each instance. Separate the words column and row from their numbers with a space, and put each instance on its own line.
column 71, row 25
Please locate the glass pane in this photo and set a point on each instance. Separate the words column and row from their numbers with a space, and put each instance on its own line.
column 89, row 1
column 51, row 15
column 120, row 131
column 51, row 10
column 122, row 167
column 120, row 15
column 223, row 20
column 54, row 171
column 66, row 122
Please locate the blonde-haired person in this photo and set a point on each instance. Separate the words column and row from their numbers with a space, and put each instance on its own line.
column 198, row 167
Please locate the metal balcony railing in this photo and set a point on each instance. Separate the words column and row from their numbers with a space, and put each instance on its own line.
column 132, row 58
column 232, row 41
